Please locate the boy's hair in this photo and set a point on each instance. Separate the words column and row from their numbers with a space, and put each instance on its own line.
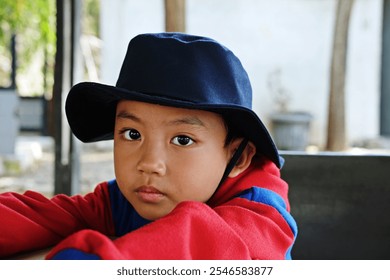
column 232, row 132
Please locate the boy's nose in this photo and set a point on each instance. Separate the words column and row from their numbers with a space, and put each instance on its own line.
column 152, row 161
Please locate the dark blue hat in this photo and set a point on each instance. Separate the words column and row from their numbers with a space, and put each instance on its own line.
column 172, row 69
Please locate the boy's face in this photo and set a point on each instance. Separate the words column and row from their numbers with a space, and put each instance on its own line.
column 166, row 155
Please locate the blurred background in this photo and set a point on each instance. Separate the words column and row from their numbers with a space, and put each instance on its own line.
column 318, row 70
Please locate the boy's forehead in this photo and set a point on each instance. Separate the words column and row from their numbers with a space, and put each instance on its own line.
column 137, row 110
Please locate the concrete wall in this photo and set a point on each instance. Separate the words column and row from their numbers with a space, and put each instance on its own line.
column 9, row 121
column 291, row 37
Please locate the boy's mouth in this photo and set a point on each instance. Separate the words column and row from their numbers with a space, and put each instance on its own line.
column 149, row 194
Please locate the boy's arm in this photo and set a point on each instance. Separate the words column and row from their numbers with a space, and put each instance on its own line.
column 239, row 229
column 31, row 221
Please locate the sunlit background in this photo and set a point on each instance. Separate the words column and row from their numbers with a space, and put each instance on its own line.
column 286, row 47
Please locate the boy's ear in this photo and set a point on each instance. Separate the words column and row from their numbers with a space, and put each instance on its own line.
column 245, row 159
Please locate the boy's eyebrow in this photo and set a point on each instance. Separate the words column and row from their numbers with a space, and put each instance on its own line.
column 127, row 115
column 191, row 120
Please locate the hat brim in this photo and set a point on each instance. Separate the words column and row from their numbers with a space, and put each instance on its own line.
column 91, row 111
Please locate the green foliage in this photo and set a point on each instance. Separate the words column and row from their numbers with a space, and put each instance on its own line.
column 33, row 20
column 33, row 23
column 91, row 17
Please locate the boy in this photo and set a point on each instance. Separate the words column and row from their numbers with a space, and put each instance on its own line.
column 197, row 174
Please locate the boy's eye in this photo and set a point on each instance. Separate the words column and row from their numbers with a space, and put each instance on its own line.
column 132, row 134
column 182, row 140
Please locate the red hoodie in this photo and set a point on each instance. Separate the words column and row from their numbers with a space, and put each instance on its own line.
column 247, row 218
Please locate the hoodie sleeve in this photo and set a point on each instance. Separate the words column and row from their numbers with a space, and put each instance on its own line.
column 242, row 228
column 30, row 221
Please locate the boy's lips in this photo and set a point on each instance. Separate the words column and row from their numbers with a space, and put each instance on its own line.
column 149, row 194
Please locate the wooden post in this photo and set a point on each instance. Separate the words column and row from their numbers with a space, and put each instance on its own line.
column 13, row 62
column 337, row 139
column 66, row 179
column 175, row 16
column 385, row 73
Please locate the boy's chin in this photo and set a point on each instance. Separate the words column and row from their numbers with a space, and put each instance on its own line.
column 152, row 213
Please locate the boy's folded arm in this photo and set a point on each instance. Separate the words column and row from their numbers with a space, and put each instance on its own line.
column 192, row 230
column 30, row 221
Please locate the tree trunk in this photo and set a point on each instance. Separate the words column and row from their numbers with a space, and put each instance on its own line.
column 175, row 15
column 337, row 139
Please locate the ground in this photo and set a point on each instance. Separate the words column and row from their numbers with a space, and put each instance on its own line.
column 35, row 168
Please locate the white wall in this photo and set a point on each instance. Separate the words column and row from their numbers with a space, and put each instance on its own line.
column 294, row 36
column 121, row 20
